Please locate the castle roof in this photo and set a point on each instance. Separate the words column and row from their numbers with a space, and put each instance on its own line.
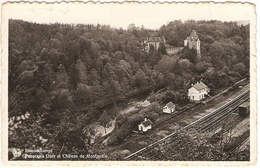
column 193, row 36
column 155, row 39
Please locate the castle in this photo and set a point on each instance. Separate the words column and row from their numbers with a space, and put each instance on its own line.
column 193, row 41
column 153, row 41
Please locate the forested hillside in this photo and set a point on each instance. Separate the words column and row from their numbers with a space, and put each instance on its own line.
column 65, row 75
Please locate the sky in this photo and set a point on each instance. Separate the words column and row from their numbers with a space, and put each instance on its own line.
column 121, row 15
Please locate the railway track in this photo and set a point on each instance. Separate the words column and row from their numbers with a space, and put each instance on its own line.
column 218, row 118
column 194, row 105
column 207, row 122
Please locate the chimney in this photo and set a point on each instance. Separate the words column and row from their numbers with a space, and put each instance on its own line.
column 145, row 119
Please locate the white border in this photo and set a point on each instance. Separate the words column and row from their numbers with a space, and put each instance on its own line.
column 257, row 10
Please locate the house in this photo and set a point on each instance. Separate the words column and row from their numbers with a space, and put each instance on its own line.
column 193, row 41
column 169, row 108
column 198, row 91
column 152, row 41
column 145, row 125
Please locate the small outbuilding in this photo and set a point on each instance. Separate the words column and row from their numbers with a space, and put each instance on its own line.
column 244, row 109
column 169, row 108
column 145, row 125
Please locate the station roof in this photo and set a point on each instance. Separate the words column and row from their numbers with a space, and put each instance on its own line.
column 200, row 86
column 245, row 104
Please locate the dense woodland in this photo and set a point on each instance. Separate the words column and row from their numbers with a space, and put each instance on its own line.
column 65, row 75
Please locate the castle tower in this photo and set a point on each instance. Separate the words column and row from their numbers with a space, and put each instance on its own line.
column 193, row 41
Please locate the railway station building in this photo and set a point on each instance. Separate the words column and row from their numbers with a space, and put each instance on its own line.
column 198, row 91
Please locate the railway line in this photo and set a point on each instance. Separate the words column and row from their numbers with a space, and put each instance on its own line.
column 217, row 118
column 243, row 81
column 206, row 123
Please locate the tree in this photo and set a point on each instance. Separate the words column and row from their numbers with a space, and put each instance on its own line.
column 81, row 72
column 62, row 101
column 26, row 65
column 174, row 39
column 216, row 50
column 162, row 49
column 72, row 73
column 55, row 43
column 131, row 27
column 49, row 77
column 26, row 77
column 240, row 68
column 140, row 79
column 62, row 78
column 154, row 108
column 201, row 67
column 209, row 39
column 126, row 68
column 83, row 44
column 185, row 64
column 93, row 77
column 226, row 70
column 218, row 63
column 72, row 49
column 166, row 64
column 54, row 58
column 82, row 95
column 115, row 89
column 190, row 54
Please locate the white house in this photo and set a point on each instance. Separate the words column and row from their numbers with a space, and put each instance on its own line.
column 145, row 125
column 198, row 91
column 169, row 108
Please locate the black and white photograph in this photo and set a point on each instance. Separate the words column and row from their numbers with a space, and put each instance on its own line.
column 131, row 81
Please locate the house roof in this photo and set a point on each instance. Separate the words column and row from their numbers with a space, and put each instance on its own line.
column 200, row 86
column 170, row 105
column 146, row 123
column 155, row 39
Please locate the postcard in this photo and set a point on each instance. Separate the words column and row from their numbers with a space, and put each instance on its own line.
column 113, row 83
